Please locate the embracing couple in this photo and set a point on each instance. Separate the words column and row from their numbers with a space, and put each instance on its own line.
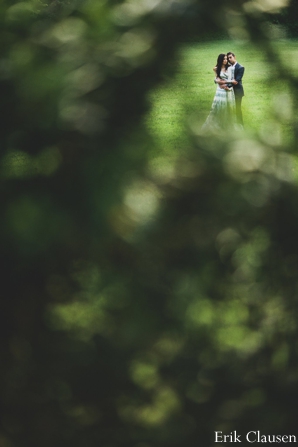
column 226, row 110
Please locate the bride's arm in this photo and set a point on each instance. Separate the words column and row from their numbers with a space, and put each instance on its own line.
column 221, row 82
column 218, row 80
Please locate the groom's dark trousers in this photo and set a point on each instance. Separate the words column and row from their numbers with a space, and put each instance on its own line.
column 238, row 101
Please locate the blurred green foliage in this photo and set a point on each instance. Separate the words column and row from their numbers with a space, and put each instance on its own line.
column 145, row 302
column 287, row 17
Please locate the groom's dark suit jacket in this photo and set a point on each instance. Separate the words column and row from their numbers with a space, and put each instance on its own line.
column 238, row 73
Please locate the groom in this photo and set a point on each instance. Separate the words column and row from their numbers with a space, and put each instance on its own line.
column 237, row 74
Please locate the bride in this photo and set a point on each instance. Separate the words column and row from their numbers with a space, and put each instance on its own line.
column 222, row 114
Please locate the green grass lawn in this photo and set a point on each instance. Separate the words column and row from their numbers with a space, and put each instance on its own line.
column 189, row 95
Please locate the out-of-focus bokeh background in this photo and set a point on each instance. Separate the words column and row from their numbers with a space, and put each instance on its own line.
column 149, row 272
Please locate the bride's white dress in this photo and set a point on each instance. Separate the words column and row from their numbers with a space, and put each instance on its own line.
column 222, row 115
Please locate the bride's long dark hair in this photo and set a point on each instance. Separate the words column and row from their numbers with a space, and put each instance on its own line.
column 219, row 63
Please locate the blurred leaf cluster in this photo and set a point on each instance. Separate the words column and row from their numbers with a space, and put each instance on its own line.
column 145, row 302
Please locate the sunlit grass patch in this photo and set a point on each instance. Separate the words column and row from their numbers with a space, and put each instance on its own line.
column 190, row 93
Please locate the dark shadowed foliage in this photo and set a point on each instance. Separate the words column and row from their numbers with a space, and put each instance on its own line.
column 140, row 306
